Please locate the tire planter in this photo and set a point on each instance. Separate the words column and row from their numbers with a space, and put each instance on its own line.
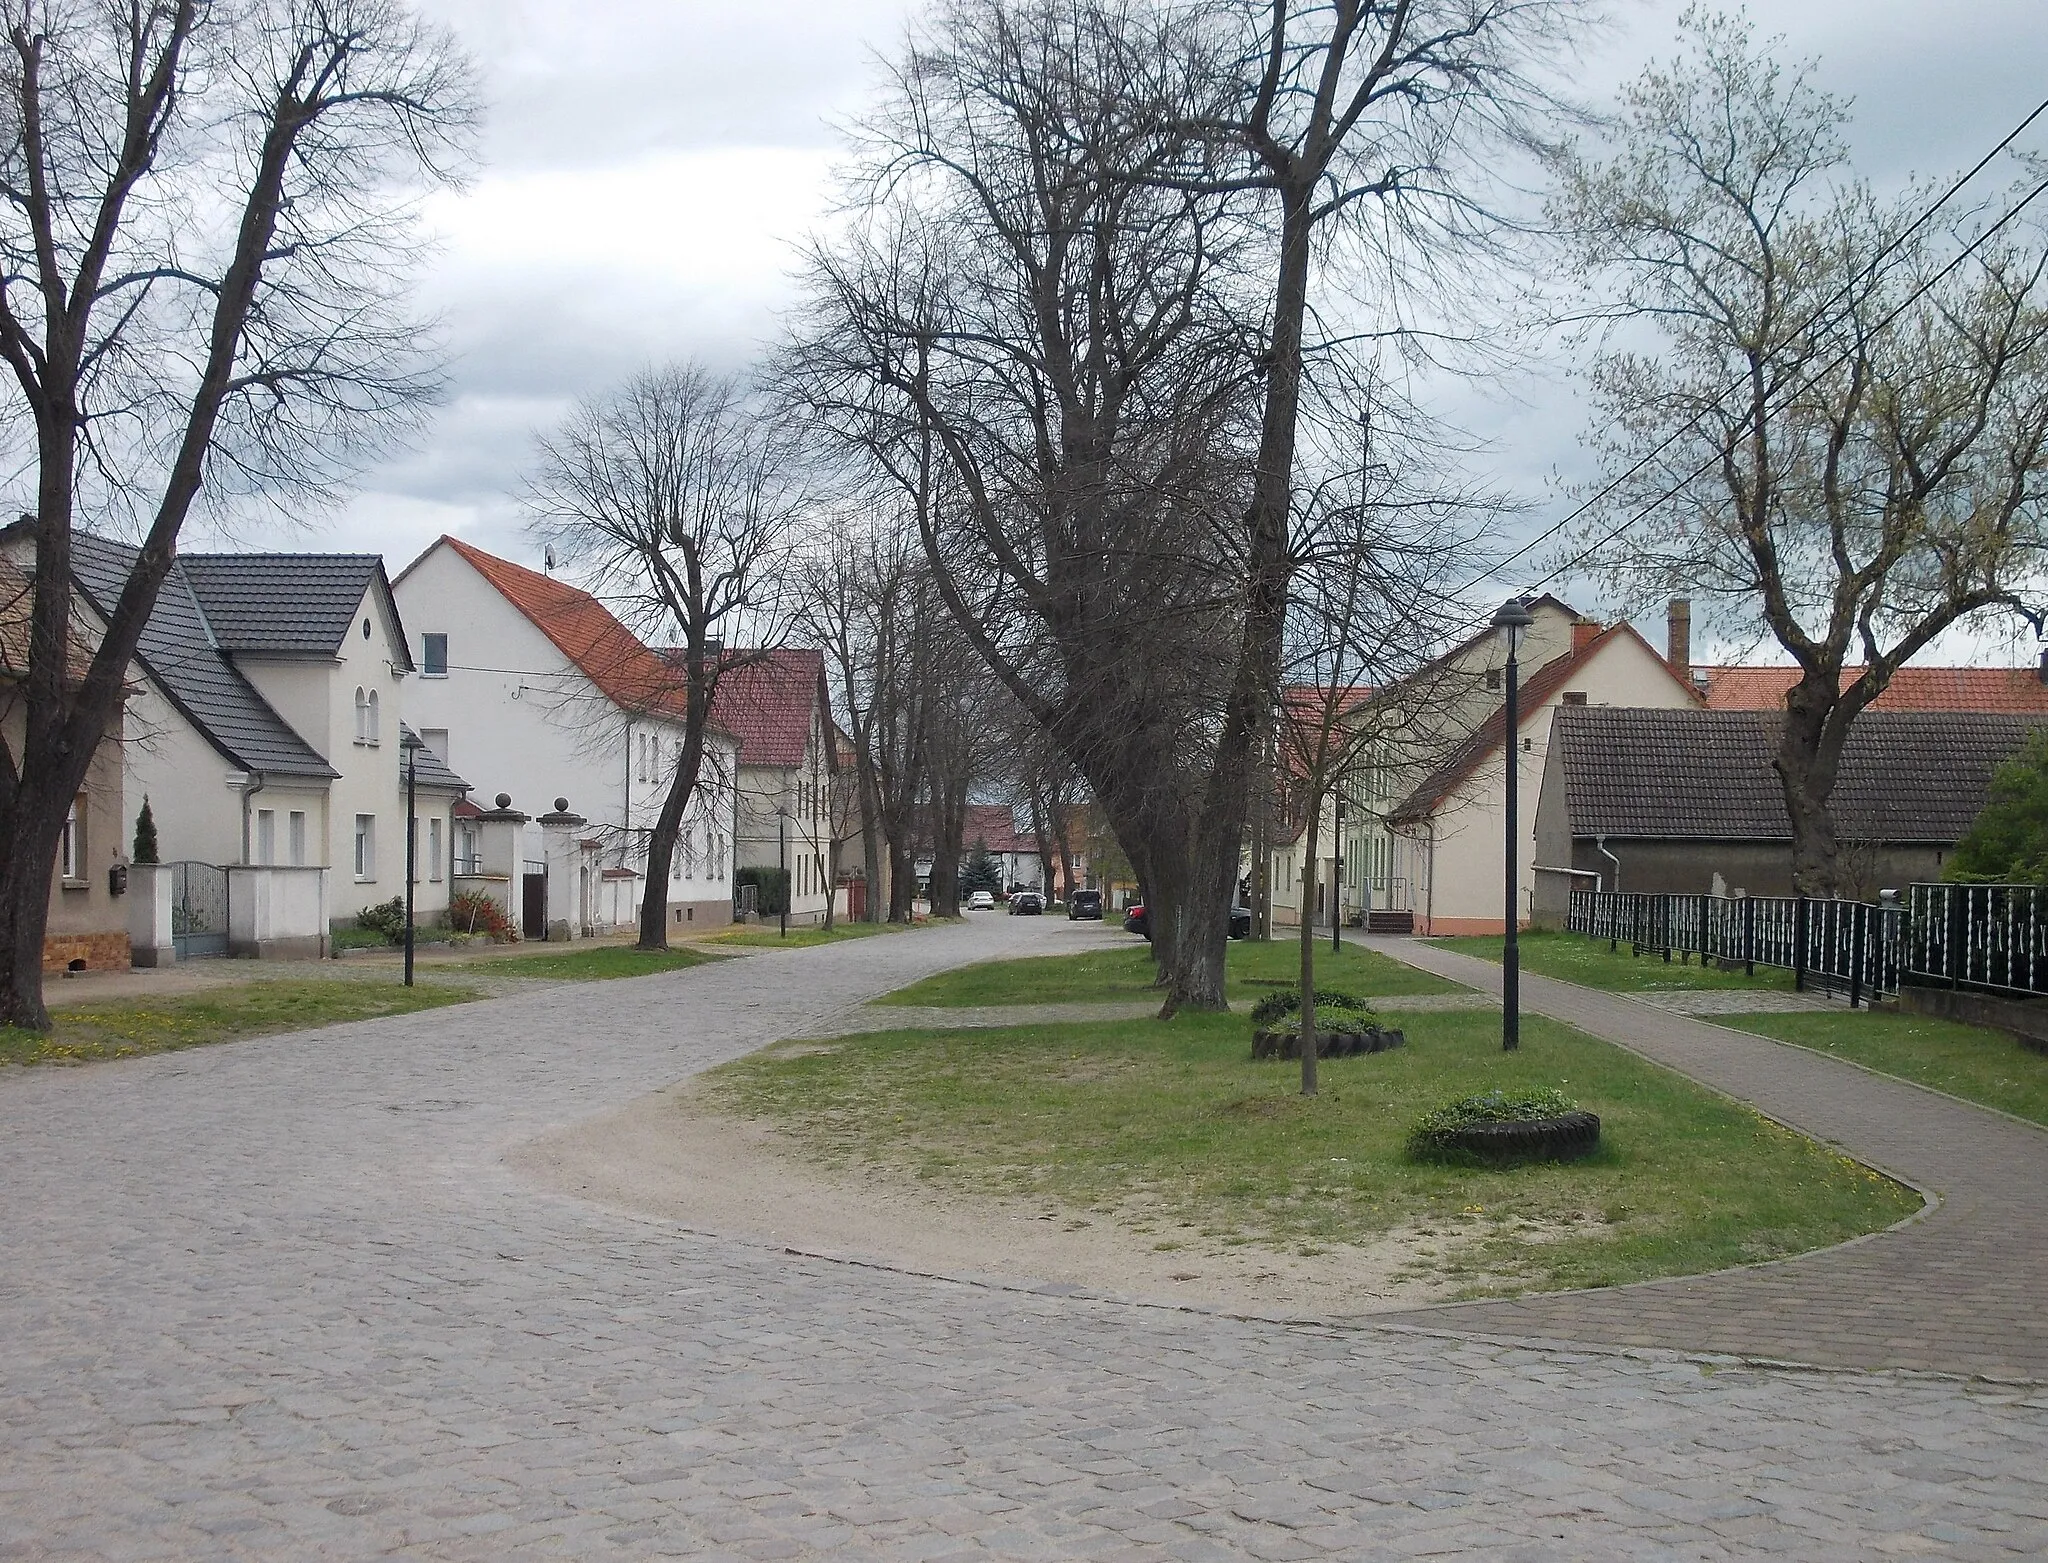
column 1329, row 1044
column 1563, row 1138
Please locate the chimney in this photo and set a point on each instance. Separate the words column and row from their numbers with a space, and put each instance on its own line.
column 1678, row 631
column 1584, row 631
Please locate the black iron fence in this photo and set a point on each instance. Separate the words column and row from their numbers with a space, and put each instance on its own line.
column 1851, row 947
column 1989, row 937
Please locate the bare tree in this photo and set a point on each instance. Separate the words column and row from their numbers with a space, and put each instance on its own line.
column 1840, row 431
column 677, row 501
column 208, row 239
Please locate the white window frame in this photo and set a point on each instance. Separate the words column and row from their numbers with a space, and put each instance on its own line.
column 266, row 836
column 375, row 722
column 71, row 845
column 362, row 715
column 295, row 837
column 434, row 850
column 427, row 668
column 366, row 849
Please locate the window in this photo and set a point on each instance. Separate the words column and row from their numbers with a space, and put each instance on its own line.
column 1493, row 678
column 71, row 847
column 296, row 829
column 362, row 715
column 434, row 849
column 366, row 848
column 465, row 850
column 266, row 835
column 373, row 717
column 1574, row 697
column 434, row 656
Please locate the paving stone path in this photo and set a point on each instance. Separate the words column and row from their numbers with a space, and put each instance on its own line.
column 1957, row 1290
column 283, row 1300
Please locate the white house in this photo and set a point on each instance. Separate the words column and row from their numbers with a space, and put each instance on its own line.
column 264, row 729
column 777, row 704
column 544, row 695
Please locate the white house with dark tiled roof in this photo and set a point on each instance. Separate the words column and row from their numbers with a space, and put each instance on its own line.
column 777, row 704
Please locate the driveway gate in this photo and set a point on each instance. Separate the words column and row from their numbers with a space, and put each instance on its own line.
column 199, row 910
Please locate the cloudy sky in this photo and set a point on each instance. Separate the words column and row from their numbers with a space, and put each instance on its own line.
column 647, row 163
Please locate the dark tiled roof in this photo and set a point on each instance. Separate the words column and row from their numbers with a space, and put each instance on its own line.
column 1534, row 693
column 430, row 769
column 766, row 700
column 180, row 651
column 1918, row 776
column 282, row 604
column 1911, row 689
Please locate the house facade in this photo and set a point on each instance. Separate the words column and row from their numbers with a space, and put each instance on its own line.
column 264, row 730
column 1686, row 800
column 538, row 693
column 791, row 811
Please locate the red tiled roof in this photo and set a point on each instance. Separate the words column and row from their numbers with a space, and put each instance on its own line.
column 994, row 825
column 586, row 632
column 767, row 700
column 1911, row 689
column 1535, row 692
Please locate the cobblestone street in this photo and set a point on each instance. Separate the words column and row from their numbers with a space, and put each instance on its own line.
column 282, row 1299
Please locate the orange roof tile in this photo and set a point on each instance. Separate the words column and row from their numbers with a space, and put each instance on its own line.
column 586, row 632
column 2020, row 690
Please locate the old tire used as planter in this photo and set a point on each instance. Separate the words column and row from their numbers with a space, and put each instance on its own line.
column 1563, row 1138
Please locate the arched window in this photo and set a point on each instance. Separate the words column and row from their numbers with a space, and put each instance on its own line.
column 362, row 716
column 373, row 716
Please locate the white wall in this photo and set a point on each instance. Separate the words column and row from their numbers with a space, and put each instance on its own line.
column 521, row 719
column 198, row 815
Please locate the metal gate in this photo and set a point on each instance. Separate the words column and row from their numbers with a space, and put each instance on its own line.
column 199, row 910
column 533, row 900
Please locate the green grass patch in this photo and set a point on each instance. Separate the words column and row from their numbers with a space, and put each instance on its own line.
column 594, row 963
column 363, row 939
column 1171, row 1126
column 90, row 1032
column 1100, row 976
column 1575, row 958
column 1972, row 1062
column 769, row 938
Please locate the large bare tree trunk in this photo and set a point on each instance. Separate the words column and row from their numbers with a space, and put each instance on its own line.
column 1808, row 762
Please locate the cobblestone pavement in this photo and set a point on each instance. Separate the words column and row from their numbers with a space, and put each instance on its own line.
column 1957, row 1290
column 1736, row 1001
column 281, row 1299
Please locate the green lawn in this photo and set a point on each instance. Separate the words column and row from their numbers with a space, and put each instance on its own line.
column 128, row 1029
column 1972, row 1062
column 768, row 937
column 593, row 963
column 1254, row 968
column 1576, row 958
column 1172, row 1126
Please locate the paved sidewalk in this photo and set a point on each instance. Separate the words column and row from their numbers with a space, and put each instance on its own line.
column 1958, row 1290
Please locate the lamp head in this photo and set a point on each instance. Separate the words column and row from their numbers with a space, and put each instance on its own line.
column 1513, row 621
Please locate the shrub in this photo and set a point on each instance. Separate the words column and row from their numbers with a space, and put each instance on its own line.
column 386, row 917
column 1279, row 1006
column 1431, row 1133
column 771, row 887
column 1330, row 1017
column 473, row 912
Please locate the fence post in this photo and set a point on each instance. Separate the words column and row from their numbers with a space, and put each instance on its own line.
column 1749, row 935
column 1862, row 926
column 1958, row 921
column 1799, row 917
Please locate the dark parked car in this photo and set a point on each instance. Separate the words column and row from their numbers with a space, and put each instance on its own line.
column 1026, row 903
column 1135, row 921
column 1084, row 903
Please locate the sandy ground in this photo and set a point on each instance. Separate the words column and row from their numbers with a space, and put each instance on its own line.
column 670, row 1156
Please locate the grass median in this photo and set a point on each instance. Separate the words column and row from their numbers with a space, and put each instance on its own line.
column 767, row 937
column 1171, row 1129
column 1251, row 968
column 593, row 963
column 1575, row 958
column 87, row 1033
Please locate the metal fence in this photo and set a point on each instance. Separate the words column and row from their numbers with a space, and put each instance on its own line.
column 1989, row 937
column 1851, row 947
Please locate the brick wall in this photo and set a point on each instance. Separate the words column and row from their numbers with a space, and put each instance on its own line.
column 99, row 951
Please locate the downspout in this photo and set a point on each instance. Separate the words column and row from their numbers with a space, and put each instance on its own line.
column 257, row 782
column 1600, row 845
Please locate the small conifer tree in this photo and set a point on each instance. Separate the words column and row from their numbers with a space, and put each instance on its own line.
column 145, row 834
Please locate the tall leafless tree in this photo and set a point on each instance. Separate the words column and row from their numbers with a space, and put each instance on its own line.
column 206, row 214
column 1826, row 420
column 678, row 502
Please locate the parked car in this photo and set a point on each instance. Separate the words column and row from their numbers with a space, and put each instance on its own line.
column 982, row 901
column 1026, row 903
column 1135, row 921
column 1084, row 903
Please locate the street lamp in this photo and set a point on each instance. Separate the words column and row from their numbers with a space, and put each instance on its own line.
column 1513, row 622
column 782, row 863
column 1337, row 874
column 410, row 742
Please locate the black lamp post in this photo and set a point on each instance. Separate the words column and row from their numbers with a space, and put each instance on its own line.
column 409, row 741
column 1513, row 622
column 782, row 863
column 1337, row 873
